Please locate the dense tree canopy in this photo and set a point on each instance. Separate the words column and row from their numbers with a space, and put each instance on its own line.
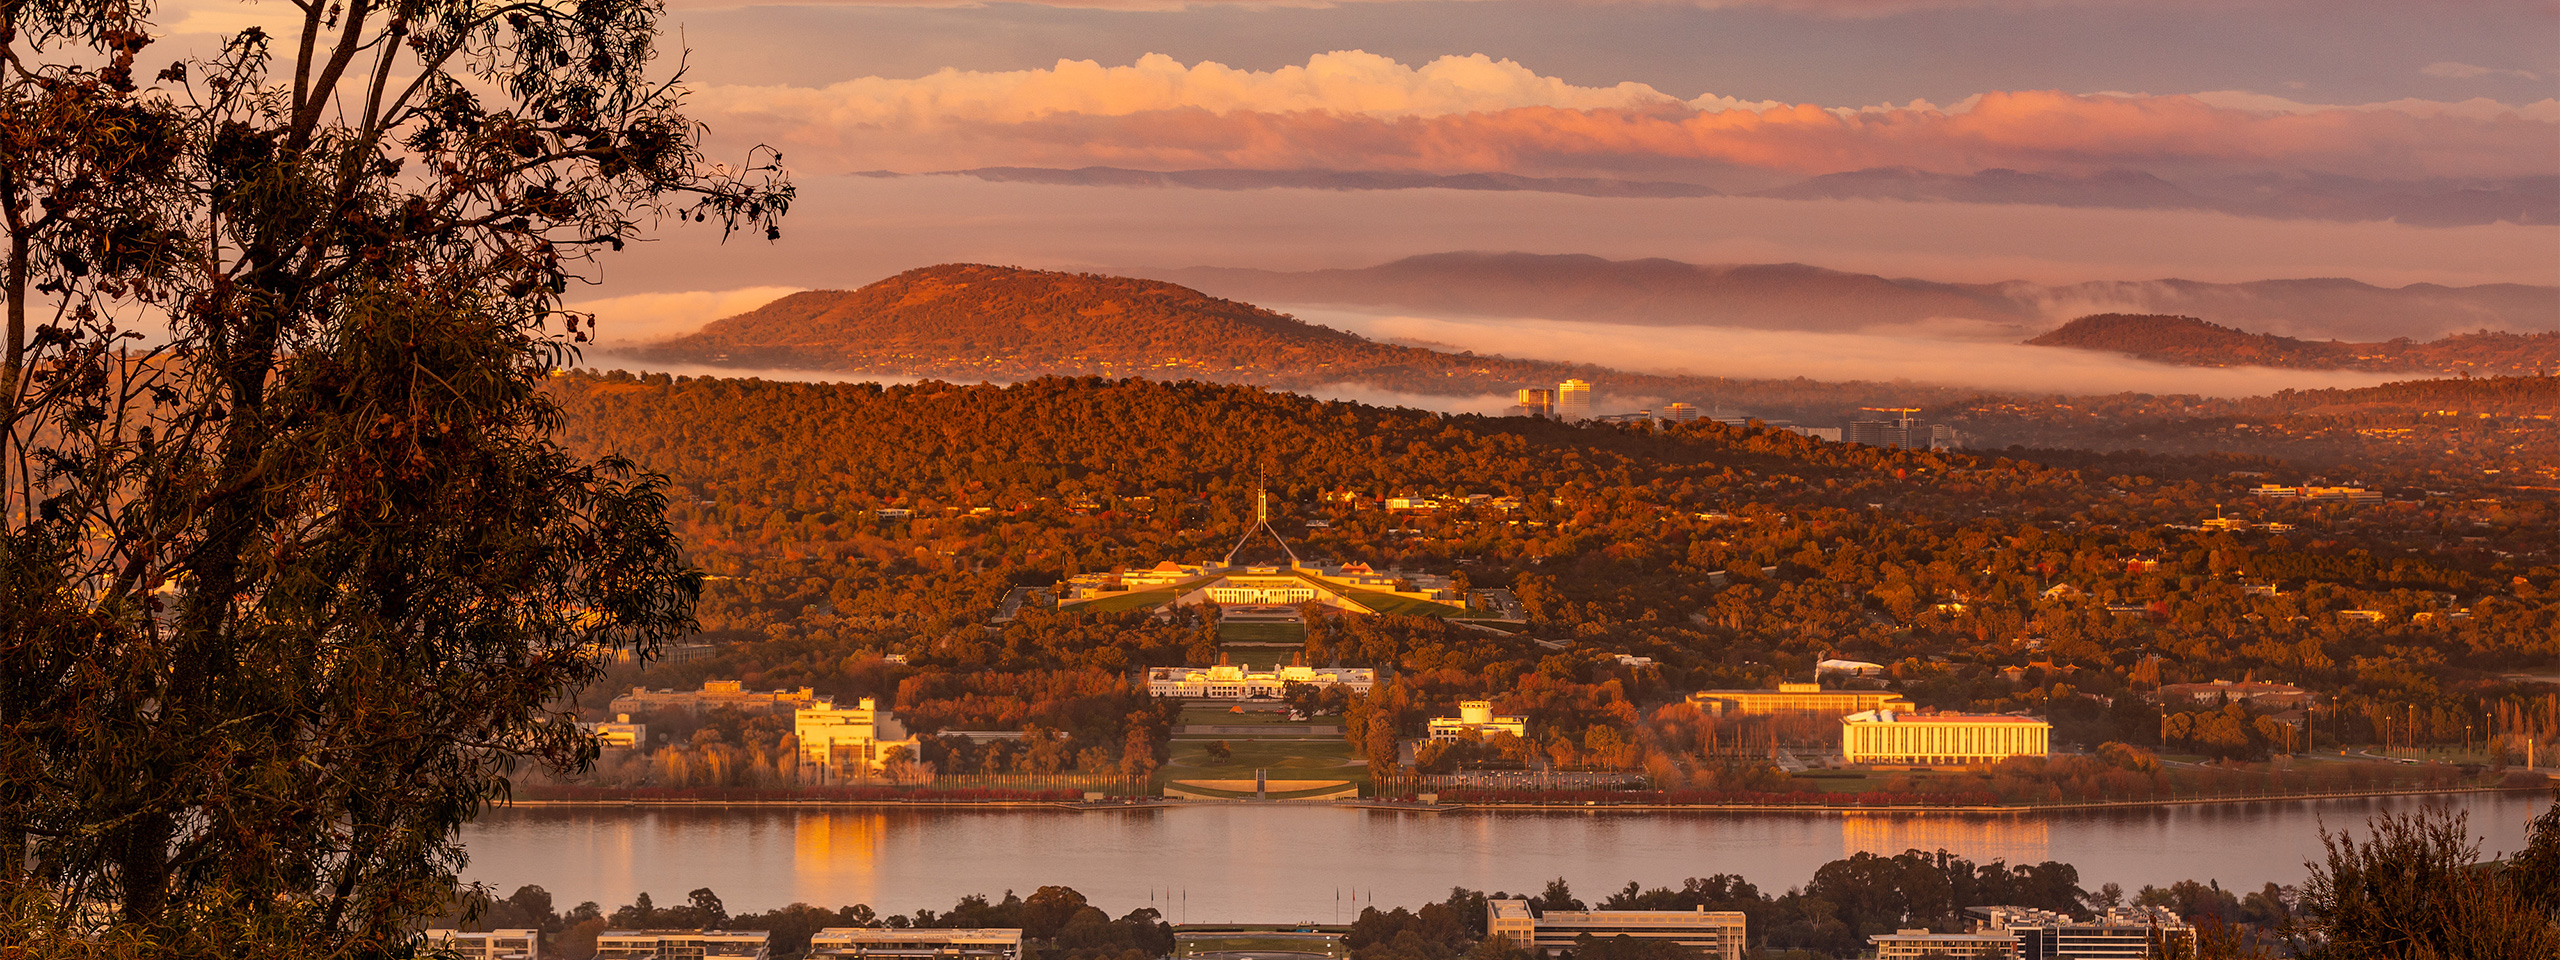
column 290, row 572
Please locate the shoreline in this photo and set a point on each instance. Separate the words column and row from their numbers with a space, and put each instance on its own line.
column 1158, row 803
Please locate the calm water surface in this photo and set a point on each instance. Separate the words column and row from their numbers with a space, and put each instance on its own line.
column 1280, row 863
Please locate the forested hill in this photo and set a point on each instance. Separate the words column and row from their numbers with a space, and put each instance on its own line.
column 965, row 311
column 971, row 322
column 780, row 482
column 1729, row 556
column 2194, row 342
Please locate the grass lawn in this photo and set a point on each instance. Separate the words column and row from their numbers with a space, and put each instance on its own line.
column 1196, row 944
column 1310, row 759
column 1263, row 633
column 1132, row 600
column 1216, row 712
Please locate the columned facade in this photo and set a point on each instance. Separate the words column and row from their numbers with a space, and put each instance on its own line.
column 1883, row 736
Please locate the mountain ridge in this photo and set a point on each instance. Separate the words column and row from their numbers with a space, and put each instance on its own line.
column 1661, row 292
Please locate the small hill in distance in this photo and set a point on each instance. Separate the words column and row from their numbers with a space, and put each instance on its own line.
column 967, row 322
column 952, row 315
column 2192, row 342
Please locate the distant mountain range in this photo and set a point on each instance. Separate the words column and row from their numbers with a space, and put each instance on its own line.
column 2430, row 203
column 2193, row 342
column 1791, row 296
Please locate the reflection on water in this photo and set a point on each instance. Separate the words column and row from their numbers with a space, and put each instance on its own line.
column 1289, row 863
column 2011, row 838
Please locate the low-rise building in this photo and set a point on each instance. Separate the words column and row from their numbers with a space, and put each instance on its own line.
column 487, row 945
column 1886, row 736
column 2274, row 695
column 2276, row 491
column 1229, row 682
column 668, row 655
column 918, row 943
column 1831, row 667
column 1716, row 934
column 1977, row 945
column 621, row 734
column 683, row 945
column 714, row 693
column 2124, row 933
column 1476, row 719
column 839, row 743
column 1796, row 698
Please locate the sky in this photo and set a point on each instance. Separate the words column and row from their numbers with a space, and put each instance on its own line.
column 2223, row 140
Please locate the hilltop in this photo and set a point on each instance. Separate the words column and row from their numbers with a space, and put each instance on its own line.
column 969, row 322
column 2194, row 342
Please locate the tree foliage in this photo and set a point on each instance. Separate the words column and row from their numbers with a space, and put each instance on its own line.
column 290, row 568
column 2415, row 888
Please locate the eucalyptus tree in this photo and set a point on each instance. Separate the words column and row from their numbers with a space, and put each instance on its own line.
column 290, row 571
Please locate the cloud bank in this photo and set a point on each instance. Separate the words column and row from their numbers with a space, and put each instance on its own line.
column 1356, row 110
column 649, row 317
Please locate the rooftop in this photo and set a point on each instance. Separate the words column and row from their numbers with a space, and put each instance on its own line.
column 1888, row 716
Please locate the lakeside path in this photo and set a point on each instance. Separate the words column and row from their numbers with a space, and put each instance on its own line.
column 1141, row 803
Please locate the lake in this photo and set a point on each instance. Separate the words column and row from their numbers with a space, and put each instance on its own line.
column 1281, row 863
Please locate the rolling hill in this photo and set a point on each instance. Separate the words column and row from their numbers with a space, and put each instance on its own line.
column 2194, row 342
column 970, row 322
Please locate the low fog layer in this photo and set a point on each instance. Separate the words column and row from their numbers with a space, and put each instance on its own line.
column 1769, row 354
column 1952, row 353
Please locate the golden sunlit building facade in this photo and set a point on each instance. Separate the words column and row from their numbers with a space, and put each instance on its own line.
column 847, row 743
column 1797, row 698
column 1476, row 719
column 1884, row 736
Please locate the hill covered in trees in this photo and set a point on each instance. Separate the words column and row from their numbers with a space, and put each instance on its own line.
column 843, row 523
column 971, row 322
column 977, row 322
column 2193, row 342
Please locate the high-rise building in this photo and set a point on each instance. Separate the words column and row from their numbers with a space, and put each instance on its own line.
column 1680, row 413
column 1901, row 433
column 1573, row 400
column 1535, row 402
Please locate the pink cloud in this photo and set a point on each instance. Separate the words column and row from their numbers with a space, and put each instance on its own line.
column 1353, row 110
